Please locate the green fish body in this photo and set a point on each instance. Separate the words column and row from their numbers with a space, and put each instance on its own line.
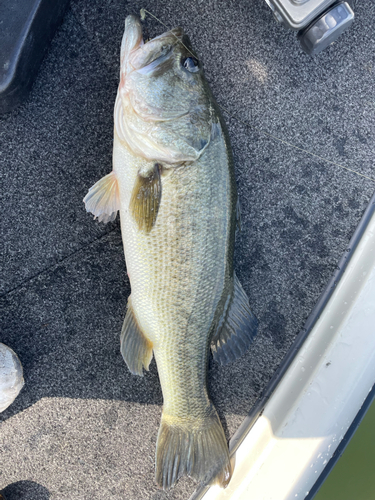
column 173, row 183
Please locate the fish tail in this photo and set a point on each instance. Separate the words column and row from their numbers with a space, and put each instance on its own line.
column 193, row 447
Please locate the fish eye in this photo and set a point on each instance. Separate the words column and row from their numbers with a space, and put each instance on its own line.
column 191, row 64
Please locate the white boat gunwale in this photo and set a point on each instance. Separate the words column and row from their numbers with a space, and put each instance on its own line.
column 258, row 408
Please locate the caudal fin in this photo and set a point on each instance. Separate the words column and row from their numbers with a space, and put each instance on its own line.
column 196, row 448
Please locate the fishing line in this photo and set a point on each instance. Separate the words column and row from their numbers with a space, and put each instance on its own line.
column 143, row 17
column 247, row 124
column 293, row 146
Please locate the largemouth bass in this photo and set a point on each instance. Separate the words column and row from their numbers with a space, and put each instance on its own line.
column 173, row 183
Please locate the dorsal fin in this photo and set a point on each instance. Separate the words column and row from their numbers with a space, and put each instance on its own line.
column 237, row 327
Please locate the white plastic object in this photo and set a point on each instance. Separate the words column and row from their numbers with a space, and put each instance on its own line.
column 11, row 376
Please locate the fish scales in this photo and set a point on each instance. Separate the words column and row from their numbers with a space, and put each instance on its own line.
column 173, row 184
column 174, row 269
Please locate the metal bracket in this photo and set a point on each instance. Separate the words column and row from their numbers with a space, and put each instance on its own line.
column 319, row 22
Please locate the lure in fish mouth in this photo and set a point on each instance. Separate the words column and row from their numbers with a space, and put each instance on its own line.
column 174, row 186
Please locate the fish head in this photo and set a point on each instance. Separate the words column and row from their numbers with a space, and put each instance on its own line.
column 164, row 105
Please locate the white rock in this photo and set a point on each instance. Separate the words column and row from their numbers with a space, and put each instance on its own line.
column 11, row 376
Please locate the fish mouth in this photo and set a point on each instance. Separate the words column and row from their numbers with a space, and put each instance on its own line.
column 131, row 40
column 151, row 58
column 138, row 55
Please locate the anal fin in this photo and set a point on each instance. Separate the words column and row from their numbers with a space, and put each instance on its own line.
column 236, row 329
column 136, row 349
column 103, row 198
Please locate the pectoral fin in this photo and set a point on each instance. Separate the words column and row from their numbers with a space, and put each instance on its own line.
column 145, row 199
column 236, row 329
column 136, row 349
column 103, row 198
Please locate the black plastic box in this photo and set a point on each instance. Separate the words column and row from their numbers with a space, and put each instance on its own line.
column 26, row 30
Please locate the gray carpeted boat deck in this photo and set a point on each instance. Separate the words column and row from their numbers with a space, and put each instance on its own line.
column 83, row 427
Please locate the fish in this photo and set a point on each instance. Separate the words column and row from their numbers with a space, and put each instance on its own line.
column 173, row 183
